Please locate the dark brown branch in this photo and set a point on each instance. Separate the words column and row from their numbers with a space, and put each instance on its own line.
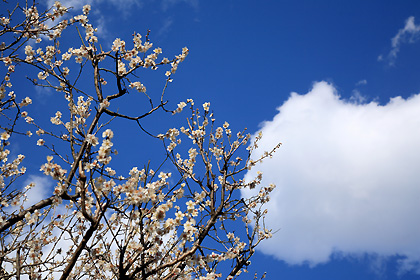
column 115, row 114
column 82, row 245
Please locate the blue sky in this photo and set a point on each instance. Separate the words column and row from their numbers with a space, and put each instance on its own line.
column 348, row 192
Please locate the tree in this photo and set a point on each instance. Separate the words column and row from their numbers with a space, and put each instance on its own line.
column 97, row 224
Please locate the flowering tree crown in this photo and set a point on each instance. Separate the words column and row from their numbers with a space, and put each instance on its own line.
column 148, row 224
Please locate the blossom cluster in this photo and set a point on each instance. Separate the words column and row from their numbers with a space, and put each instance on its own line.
column 183, row 220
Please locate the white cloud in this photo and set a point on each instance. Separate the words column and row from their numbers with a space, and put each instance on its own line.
column 361, row 82
column 357, row 97
column 124, row 6
column 410, row 33
column 347, row 178
column 43, row 189
column 166, row 26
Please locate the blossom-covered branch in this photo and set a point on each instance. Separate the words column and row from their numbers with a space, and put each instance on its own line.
column 149, row 224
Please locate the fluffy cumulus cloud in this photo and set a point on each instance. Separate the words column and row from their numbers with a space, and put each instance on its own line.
column 347, row 178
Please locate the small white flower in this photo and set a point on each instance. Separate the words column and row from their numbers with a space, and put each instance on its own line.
column 86, row 9
column 79, row 59
column 92, row 139
column 42, row 75
column 206, row 106
column 4, row 136
column 108, row 134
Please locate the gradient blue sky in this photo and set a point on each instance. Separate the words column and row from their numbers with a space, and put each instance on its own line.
column 345, row 60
